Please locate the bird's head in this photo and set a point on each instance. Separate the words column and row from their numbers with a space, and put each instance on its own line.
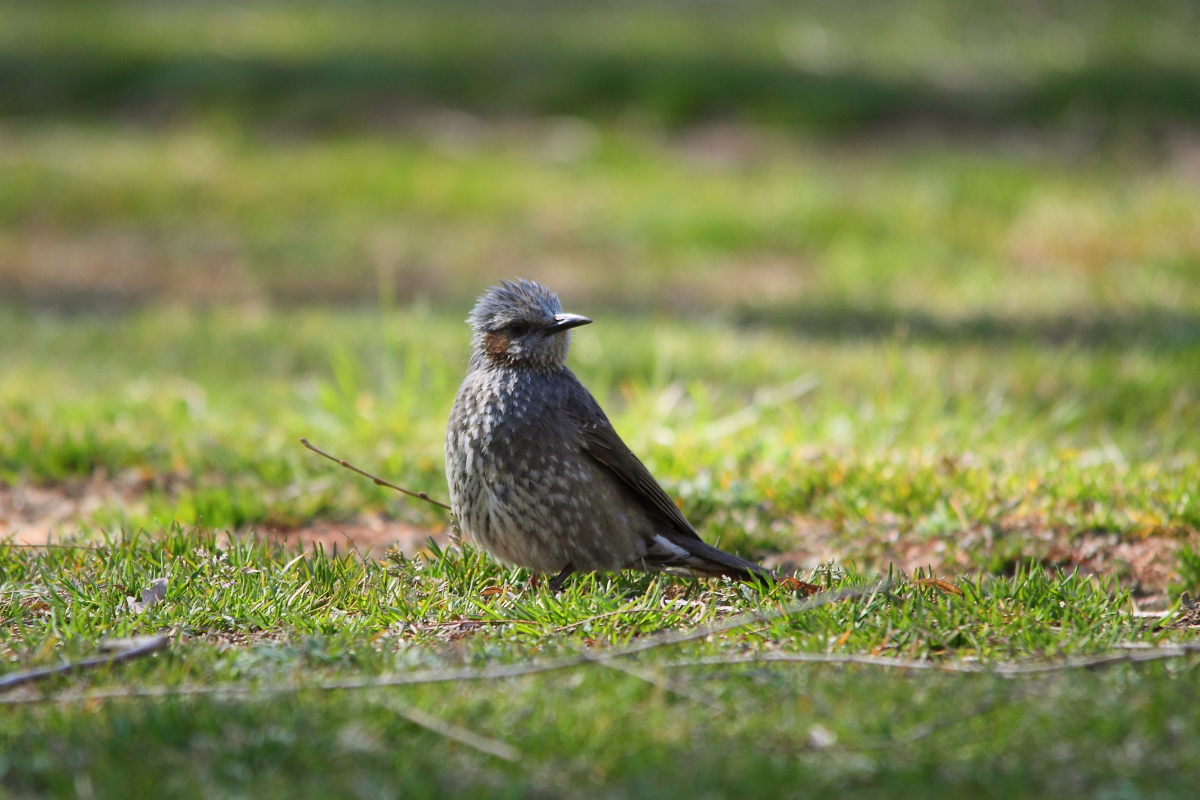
column 521, row 324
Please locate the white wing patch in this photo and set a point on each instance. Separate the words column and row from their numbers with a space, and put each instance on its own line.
column 663, row 548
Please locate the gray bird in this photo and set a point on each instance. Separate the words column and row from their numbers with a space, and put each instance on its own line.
column 538, row 477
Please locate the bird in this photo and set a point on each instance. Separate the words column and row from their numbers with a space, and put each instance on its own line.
column 538, row 477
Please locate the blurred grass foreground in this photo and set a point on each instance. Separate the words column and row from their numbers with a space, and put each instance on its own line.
column 879, row 287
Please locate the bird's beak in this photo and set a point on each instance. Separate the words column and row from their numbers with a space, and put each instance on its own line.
column 564, row 322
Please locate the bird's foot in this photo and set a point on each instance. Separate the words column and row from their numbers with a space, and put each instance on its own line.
column 556, row 583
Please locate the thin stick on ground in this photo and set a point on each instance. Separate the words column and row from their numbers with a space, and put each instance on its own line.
column 378, row 481
column 1009, row 668
column 665, row 683
column 134, row 648
column 502, row 671
column 484, row 744
column 463, row 673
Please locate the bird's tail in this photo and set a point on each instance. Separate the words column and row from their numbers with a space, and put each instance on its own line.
column 708, row 560
column 703, row 559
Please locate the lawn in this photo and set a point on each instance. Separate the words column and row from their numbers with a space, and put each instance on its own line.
column 294, row 675
column 931, row 343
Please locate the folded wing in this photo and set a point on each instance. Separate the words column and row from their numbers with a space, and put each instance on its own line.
column 676, row 544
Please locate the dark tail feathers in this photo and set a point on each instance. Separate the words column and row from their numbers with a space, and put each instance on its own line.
column 709, row 560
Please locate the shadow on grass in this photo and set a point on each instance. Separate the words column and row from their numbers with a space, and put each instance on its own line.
column 1150, row 328
column 1155, row 328
column 352, row 89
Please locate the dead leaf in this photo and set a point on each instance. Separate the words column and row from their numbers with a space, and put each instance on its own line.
column 796, row 585
column 937, row 583
column 152, row 594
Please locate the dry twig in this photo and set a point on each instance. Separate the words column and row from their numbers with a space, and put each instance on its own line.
column 464, row 673
column 1005, row 669
column 378, row 481
column 484, row 744
column 123, row 650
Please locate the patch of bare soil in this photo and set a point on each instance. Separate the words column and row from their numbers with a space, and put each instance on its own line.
column 368, row 534
column 36, row 515
column 39, row 515
column 33, row 515
column 1146, row 565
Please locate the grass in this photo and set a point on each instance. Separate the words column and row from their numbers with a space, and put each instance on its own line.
column 256, row 616
column 963, row 337
column 998, row 340
column 1115, row 65
column 833, row 239
column 208, row 407
column 984, row 457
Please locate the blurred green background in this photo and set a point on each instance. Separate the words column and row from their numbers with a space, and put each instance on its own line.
column 938, row 262
column 879, row 286
column 938, row 159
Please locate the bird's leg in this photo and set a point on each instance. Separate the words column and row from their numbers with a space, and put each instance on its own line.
column 556, row 583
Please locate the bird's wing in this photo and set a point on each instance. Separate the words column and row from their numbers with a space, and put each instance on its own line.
column 678, row 544
column 602, row 443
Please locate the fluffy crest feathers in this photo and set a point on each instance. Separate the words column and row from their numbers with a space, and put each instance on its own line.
column 514, row 301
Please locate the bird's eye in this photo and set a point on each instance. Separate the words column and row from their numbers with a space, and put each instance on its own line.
column 519, row 328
